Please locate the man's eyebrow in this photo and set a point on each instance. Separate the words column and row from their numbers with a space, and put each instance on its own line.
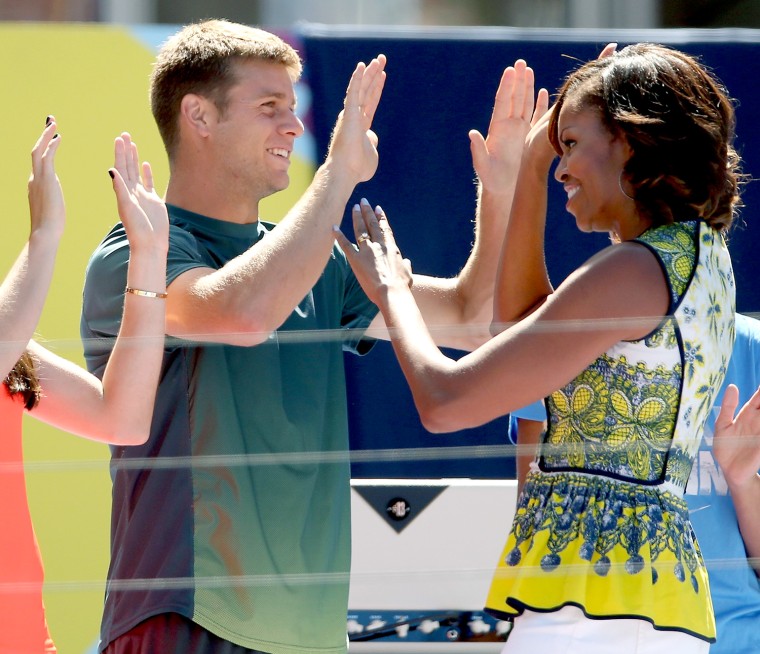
column 278, row 95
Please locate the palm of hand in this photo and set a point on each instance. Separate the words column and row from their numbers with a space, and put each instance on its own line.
column 142, row 211
column 353, row 127
column 146, row 210
column 504, row 145
column 515, row 116
column 735, row 446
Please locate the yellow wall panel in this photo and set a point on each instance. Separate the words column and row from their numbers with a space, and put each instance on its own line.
column 94, row 79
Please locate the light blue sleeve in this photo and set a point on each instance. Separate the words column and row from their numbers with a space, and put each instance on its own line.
column 535, row 411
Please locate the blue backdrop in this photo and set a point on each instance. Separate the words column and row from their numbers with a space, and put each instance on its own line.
column 441, row 83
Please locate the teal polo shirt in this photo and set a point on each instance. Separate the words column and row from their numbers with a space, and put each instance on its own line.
column 236, row 512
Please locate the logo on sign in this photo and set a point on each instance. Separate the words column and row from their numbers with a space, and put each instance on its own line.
column 398, row 508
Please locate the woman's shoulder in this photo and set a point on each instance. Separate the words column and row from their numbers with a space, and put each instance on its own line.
column 679, row 235
column 621, row 281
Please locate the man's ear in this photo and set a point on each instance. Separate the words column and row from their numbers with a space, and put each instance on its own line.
column 197, row 113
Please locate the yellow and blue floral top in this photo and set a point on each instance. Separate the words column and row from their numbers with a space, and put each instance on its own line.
column 601, row 523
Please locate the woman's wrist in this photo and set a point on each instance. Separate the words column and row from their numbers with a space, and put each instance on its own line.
column 537, row 164
column 152, row 247
column 739, row 485
column 147, row 272
column 394, row 296
column 46, row 236
column 141, row 292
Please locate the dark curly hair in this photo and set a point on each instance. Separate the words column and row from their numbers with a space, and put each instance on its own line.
column 679, row 122
column 23, row 380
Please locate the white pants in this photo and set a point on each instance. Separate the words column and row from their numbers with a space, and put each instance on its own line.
column 568, row 631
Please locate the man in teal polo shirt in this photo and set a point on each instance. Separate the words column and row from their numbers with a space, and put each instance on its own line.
column 231, row 525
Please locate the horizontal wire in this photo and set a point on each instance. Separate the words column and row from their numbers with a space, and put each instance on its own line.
column 358, row 578
column 377, row 455
column 310, row 458
column 289, row 458
column 329, row 335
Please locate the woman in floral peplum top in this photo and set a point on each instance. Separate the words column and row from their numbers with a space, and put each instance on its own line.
column 628, row 352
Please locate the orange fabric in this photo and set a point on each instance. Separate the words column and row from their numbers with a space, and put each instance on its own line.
column 23, row 627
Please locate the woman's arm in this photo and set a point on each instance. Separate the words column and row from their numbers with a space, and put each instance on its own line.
column 737, row 450
column 119, row 409
column 528, row 439
column 522, row 281
column 619, row 294
column 24, row 289
column 460, row 309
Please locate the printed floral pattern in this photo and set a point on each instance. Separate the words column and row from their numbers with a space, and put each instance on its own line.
column 603, row 515
column 607, row 497
column 614, row 418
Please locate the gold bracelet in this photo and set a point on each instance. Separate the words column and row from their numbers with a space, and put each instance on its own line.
column 137, row 291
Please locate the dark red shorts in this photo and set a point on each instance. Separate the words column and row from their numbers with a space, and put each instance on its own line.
column 171, row 633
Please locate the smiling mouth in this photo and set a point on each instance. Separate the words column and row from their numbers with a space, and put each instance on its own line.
column 279, row 152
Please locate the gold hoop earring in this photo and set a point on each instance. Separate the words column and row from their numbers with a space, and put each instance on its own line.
column 620, row 185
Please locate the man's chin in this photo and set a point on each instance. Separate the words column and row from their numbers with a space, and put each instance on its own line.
column 277, row 186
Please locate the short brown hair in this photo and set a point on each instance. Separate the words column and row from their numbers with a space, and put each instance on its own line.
column 679, row 122
column 200, row 59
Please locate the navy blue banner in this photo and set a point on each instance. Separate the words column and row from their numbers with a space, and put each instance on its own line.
column 441, row 83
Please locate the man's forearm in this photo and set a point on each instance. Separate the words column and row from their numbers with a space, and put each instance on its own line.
column 477, row 279
column 253, row 294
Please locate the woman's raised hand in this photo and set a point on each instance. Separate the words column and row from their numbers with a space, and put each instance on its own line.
column 46, row 206
column 737, row 437
column 375, row 259
column 496, row 157
column 141, row 210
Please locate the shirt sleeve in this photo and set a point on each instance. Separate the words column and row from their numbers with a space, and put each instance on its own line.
column 535, row 411
column 184, row 254
column 103, row 298
column 105, row 281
